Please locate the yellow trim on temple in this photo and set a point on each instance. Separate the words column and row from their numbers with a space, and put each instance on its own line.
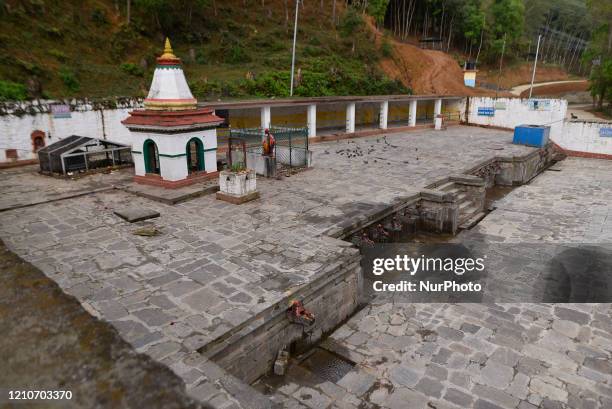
column 170, row 105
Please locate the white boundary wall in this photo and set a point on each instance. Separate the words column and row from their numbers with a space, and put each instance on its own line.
column 97, row 120
column 103, row 120
column 586, row 136
column 511, row 112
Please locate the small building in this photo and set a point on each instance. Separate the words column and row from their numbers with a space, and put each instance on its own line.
column 469, row 74
column 174, row 141
column 82, row 154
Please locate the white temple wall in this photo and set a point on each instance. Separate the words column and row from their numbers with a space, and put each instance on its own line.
column 173, row 168
column 139, row 165
column 100, row 120
column 172, row 149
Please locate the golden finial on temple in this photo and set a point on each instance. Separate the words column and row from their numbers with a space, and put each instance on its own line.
column 168, row 53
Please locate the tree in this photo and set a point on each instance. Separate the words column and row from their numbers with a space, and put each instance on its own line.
column 601, row 10
column 508, row 18
column 351, row 24
column 378, row 9
column 473, row 20
column 601, row 82
column 599, row 52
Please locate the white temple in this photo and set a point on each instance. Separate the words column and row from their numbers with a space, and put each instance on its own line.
column 175, row 142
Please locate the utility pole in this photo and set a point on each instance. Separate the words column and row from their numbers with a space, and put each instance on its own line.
column 501, row 59
column 297, row 3
column 535, row 62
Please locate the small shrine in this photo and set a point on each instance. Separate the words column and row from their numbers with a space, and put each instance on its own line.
column 469, row 74
column 174, row 141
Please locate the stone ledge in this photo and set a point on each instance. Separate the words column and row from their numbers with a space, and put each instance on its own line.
column 156, row 180
column 226, row 197
column 470, row 180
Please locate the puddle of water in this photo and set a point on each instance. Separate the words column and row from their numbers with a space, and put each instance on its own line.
column 326, row 365
column 496, row 193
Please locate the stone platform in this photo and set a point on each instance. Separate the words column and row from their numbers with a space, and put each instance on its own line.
column 216, row 275
column 173, row 196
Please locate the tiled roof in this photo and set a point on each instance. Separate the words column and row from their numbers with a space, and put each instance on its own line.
column 172, row 119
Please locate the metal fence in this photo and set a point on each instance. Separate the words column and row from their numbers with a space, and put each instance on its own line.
column 82, row 154
column 290, row 150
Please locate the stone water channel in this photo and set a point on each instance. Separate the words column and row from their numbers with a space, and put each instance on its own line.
column 437, row 217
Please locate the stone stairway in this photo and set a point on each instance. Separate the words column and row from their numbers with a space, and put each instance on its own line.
column 470, row 211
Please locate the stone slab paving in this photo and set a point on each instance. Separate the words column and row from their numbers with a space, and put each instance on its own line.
column 216, row 265
column 510, row 355
column 23, row 186
column 173, row 196
column 518, row 355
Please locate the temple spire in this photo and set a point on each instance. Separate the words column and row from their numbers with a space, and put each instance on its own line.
column 169, row 89
column 168, row 53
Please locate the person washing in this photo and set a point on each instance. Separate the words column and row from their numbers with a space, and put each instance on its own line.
column 269, row 143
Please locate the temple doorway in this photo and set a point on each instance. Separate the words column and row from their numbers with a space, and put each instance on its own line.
column 195, row 155
column 151, row 157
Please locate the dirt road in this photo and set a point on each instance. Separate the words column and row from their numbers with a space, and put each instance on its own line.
column 520, row 89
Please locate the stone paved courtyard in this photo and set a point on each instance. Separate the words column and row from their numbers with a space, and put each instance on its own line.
column 215, row 266
column 508, row 355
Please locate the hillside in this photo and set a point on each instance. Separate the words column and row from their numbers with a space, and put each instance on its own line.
column 231, row 49
column 236, row 48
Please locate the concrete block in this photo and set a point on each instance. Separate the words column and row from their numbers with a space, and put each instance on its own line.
column 133, row 215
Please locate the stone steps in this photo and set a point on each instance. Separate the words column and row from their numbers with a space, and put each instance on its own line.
column 446, row 187
column 472, row 221
column 466, row 207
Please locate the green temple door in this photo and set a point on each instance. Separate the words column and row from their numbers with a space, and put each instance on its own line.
column 151, row 157
column 195, row 155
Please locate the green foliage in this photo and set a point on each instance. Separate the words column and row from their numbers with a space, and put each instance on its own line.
column 132, row 69
column 238, row 167
column 51, row 32
column 472, row 19
column 378, row 9
column 386, row 48
column 351, row 23
column 508, row 17
column 12, row 91
column 601, row 81
column 98, row 16
column 599, row 52
column 69, row 79
column 237, row 55
column 326, row 83
column 29, row 67
column 57, row 54
column 200, row 57
column 122, row 40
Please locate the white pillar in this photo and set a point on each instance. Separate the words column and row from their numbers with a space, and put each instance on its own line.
column 350, row 117
column 437, row 107
column 413, row 113
column 265, row 117
column 384, row 114
column 311, row 119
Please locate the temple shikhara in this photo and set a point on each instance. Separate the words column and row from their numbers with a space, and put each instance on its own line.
column 174, row 141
